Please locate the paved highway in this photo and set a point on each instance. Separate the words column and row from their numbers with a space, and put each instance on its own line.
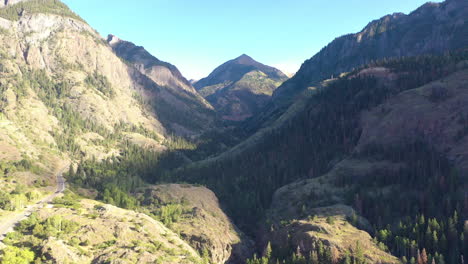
column 8, row 224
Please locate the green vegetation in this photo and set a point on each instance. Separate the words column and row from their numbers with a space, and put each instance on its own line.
column 53, row 91
column 52, row 94
column 17, row 196
column 440, row 240
column 15, row 255
column 101, row 83
column 325, row 132
column 68, row 200
column 55, row 7
column 26, row 241
column 319, row 254
column 169, row 214
column 327, row 129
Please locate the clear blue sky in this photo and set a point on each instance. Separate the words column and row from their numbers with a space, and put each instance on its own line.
column 199, row 35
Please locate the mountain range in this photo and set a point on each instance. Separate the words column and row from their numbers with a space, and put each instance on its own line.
column 358, row 158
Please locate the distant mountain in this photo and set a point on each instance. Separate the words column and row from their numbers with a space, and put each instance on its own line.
column 174, row 99
column 432, row 28
column 240, row 87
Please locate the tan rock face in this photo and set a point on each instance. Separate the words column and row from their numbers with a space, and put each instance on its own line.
column 397, row 35
column 66, row 51
column 166, row 87
column 339, row 235
column 202, row 224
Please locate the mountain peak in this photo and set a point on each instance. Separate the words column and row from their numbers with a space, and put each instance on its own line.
column 244, row 59
column 112, row 39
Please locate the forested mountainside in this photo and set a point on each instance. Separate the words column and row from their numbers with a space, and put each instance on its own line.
column 369, row 166
column 240, row 88
column 408, row 175
column 68, row 99
column 433, row 28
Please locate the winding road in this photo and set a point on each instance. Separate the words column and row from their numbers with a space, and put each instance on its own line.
column 7, row 225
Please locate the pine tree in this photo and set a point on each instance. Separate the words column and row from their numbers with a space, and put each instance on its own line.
column 267, row 252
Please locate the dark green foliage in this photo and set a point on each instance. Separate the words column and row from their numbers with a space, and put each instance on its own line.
column 52, row 92
column 16, row 255
column 30, row 234
column 69, row 200
column 441, row 239
column 311, row 142
column 169, row 214
column 101, row 83
column 55, row 7
column 116, row 177
column 319, row 254
column 53, row 226
column 114, row 195
column 427, row 184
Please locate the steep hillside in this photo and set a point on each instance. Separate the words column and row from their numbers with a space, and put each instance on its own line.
column 432, row 28
column 240, row 88
column 333, row 124
column 61, row 82
column 99, row 233
column 66, row 98
column 173, row 99
column 199, row 220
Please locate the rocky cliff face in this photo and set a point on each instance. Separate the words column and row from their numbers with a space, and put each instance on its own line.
column 169, row 91
column 163, row 73
column 65, row 95
column 201, row 223
column 59, row 70
column 240, row 88
column 432, row 28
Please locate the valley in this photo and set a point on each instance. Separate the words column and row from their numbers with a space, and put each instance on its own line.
column 110, row 155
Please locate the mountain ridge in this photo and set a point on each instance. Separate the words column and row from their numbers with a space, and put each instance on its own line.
column 172, row 89
column 389, row 36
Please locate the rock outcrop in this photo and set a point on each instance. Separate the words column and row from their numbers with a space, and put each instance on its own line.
column 432, row 28
column 51, row 62
column 172, row 91
column 201, row 223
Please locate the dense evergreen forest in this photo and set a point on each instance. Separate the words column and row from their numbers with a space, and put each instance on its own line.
column 325, row 132
column 315, row 139
column 328, row 131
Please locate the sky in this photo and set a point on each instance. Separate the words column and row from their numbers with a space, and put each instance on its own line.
column 199, row 35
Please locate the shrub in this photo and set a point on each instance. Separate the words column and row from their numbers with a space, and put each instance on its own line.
column 15, row 255
column 55, row 7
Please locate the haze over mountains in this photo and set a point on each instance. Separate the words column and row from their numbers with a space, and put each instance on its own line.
column 359, row 158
